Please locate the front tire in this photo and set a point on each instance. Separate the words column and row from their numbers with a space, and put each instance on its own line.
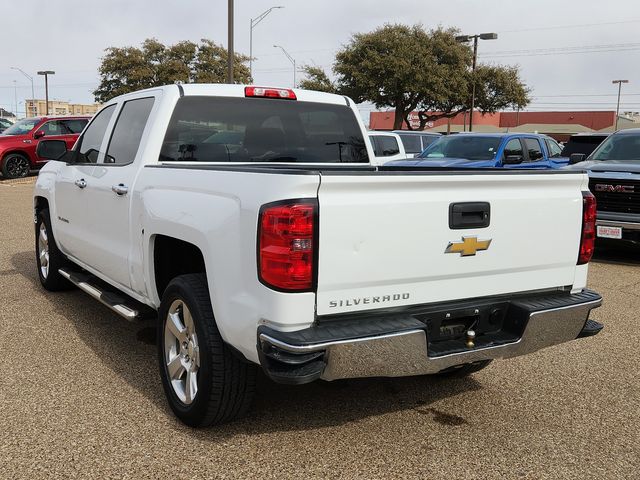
column 204, row 381
column 15, row 165
column 48, row 258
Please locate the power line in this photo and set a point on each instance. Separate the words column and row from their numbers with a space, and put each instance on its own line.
column 555, row 27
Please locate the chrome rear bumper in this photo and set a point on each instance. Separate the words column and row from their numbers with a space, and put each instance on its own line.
column 406, row 352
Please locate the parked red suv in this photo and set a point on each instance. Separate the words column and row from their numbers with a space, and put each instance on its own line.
column 18, row 143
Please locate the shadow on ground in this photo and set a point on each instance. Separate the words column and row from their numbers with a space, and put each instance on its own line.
column 618, row 253
column 129, row 350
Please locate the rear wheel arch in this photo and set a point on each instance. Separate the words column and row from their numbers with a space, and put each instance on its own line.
column 172, row 257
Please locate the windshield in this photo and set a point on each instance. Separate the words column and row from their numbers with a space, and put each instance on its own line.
column 463, row 146
column 224, row 129
column 22, row 127
column 624, row 148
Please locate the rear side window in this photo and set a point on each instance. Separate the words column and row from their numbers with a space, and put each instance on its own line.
column 91, row 141
column 127, row 133
column 230, row 129
column 388, row 146
column 411, row 143
column 534, row 149
column 75, row 126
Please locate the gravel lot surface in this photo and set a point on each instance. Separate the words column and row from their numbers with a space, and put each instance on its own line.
column 81, row 397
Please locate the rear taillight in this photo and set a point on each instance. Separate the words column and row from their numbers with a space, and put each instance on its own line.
column 588, row 239
column 267, row 92
column 287, row 233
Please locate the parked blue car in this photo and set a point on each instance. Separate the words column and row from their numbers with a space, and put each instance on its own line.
column 490, row 150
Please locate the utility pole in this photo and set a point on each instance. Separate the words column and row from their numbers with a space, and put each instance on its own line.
column 33, row 97
column 254, row 22
column 230, row 52
column 292, row 60
column 46, row 74
column 465, row 39
column 619, row 82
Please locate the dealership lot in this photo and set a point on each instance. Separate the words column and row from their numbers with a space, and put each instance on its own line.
column 80, row 396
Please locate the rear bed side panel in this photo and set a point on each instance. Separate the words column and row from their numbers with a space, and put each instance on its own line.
column 218, row 212
column 383, row 238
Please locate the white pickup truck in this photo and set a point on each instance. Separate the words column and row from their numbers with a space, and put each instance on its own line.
column 250, row 222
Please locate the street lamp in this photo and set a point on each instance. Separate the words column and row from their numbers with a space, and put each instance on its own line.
column 33, row 96
column 46, row 74
column 619, row 82
column 292, row 60
column 466, row 39
column 254, row 22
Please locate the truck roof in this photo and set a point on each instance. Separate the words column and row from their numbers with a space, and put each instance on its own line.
column 227, row 90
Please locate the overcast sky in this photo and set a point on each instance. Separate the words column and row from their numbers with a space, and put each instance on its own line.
column 567, row 49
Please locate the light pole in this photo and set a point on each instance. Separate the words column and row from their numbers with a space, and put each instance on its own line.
column 46, row 74
column 254, row 22
column 230, row 53
column 292, row 60
column 33, row 96
column 465, row 39
column 619, row 82
column 15, row 97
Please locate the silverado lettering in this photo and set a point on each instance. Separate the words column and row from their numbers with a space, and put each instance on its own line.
column 351, row 302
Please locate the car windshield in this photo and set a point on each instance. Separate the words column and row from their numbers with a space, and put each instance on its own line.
column 224, row 129
column 22, row 127
column 463, row 146
column 622, row 148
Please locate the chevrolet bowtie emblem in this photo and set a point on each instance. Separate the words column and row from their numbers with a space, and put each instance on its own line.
column 468, row 246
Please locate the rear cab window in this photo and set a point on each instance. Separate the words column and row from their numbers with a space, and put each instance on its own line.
column 236, row 129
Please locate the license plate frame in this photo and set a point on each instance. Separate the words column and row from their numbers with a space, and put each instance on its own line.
column 609, row 231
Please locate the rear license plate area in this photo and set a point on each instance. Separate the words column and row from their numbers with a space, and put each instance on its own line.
column 609, row 232
column 447, row 329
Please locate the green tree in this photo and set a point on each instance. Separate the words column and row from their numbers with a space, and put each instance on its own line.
column 127, row 69
column 410, row 69
column 317, row 80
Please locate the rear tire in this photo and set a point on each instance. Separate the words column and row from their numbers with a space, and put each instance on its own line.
column 204, row 381
column 464, row 370
column 15, row 165
column 48, row 258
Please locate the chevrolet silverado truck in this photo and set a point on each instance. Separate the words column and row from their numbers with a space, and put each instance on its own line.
column 614, row 172
column 250, row 222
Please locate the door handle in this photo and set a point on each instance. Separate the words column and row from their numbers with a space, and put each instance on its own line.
column 80, row 183
column 120, row 189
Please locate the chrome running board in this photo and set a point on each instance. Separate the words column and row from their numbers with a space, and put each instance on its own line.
column 116, row 301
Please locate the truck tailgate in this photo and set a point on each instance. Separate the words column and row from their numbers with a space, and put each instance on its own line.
column 382, row 237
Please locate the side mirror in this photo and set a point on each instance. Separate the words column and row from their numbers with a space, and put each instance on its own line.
column 38, row 134
column 513, row 159
column 576, row 158
column 51, row 149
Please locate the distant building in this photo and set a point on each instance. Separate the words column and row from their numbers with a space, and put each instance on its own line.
column 559, row 125
column 37, row 108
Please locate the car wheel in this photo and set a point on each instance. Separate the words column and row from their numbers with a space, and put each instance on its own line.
column 204, row 381
column 464, row 370
column 48, row 258
column 15, row 165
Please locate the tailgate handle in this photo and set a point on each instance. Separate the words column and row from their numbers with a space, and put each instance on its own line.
column 469, row 215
